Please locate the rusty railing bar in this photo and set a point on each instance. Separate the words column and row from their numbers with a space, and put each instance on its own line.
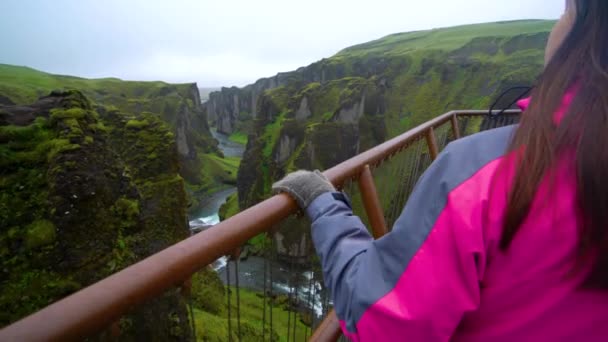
column 371, row 202
column 329, row 330
column 92, row 309
column 431, row 142
column 484, row 112
column 455, row 128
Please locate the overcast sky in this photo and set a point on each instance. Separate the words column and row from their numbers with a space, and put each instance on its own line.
column 220, row 42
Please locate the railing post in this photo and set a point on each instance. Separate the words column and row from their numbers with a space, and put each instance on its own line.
column 371, row 202
column 186, row 288
column 455, row 128
column 329, row 330
column 115, row 330
column 432, row 143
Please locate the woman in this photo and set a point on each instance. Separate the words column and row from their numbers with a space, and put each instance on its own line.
column 505, row 237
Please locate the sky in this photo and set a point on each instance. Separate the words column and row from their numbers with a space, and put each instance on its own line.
column 221, row 42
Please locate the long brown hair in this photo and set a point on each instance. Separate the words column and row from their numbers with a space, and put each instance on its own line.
column 582, row 62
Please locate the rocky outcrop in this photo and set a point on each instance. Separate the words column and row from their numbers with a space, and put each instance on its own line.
column 286, row 148
column 179, row 105
column 303, row 112
column 351, row 114
column 71, row 171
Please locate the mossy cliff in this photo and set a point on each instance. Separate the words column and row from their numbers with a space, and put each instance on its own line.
column 324, row 113
column 84, row 192
column 178, row 105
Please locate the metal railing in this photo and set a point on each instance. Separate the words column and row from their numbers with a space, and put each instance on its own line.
column 98, row 306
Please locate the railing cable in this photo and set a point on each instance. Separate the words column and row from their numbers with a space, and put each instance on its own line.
column 238, row 299
column 311, row 304
column 396, row 203
column 272, row 253
column 296, row 300
column 401, row 190
column 289, row 295
column 265, row 297
column 229, row 295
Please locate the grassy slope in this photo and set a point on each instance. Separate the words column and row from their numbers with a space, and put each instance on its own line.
column 238, row 137
column 210, row 302
column 210, row 327
column 217, row 170
column 444, row 38
column 24, row 85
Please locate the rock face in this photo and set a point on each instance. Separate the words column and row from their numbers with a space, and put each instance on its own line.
column 303, row 111
column 325, row 113
column 71, row 171
column 352, row 114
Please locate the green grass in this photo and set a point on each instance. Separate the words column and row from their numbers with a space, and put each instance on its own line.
column 211, row 327
column 217, row 171
column 444, row 38
column 239, row 138
column 271, row 134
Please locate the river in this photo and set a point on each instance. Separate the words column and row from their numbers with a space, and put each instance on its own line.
column 208, row 215
column 251, row 270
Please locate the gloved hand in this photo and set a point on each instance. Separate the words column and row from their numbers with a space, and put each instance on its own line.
column 304, row 186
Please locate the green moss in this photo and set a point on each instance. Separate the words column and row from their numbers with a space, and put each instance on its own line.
column 279, row 96
column 137, row 124
column 127, row 209
column 74, row 126
column 239, row 138
column 72, row 113
column 25, row 292
column 208, row 292
column 40, row 233
column 327, row 115
column 271, row 134
column 310, row 88
column 98, row 127
column 230, row 208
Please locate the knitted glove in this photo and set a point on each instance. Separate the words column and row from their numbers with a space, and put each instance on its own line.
column 304, row 186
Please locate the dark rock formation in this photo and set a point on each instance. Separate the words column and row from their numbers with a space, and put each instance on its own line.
column 85, row 192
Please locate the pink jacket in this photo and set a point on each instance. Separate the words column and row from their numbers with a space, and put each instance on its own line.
column 439, row 274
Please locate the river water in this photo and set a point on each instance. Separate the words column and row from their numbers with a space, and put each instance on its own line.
column 209, row 213
column 251, row 271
